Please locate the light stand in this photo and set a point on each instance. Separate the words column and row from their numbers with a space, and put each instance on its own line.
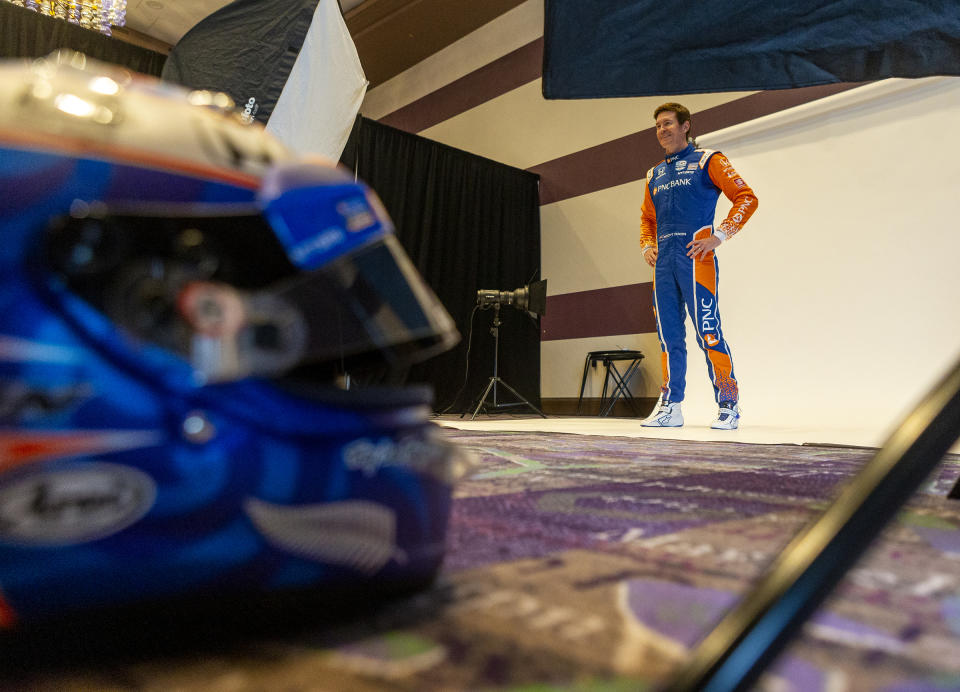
column 496, row 379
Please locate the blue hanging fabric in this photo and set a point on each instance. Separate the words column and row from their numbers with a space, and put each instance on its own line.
column 645, row 47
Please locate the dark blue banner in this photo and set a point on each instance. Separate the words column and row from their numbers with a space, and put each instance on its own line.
column 649, row 47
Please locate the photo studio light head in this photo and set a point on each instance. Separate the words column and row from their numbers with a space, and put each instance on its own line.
column 532, row 297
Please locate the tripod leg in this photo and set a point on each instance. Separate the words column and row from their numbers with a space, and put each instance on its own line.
column 484, row 397
column 517, row 394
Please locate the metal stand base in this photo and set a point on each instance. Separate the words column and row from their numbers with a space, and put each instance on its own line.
column 496, row 379
column 491, row 386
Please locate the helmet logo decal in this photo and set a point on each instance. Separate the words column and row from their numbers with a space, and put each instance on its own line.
column 357, row 214
column 419, row 454
column 73, row 505
column 21, row 401
column 357, row 534
column 321, row 243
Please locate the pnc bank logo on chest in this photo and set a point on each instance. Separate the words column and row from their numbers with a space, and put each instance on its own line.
column 676, row 182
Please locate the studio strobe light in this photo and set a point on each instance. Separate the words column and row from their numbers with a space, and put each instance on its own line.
column 533, row 299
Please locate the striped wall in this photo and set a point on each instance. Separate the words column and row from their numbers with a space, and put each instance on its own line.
column 483, row 94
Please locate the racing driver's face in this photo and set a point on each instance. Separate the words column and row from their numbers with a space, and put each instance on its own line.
column 670, row 133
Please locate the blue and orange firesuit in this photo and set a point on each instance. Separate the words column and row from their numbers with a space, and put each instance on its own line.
column 679, row 206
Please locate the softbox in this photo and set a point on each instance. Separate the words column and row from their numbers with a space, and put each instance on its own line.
column 290, row 64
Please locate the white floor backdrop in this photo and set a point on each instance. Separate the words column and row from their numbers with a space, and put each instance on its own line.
column 841, row 298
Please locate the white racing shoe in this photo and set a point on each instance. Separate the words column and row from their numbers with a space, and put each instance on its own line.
column 668, row 415
column 728, row 418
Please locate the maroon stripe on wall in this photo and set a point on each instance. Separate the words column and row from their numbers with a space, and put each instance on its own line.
column 600, row 312
column 612, row 163
column 513, row 70
column 628, row 158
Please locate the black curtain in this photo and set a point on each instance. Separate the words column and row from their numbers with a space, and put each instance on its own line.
column 468, row 223
column 27, row 34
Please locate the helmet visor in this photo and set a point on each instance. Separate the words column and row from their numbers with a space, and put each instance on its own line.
column 221, row 292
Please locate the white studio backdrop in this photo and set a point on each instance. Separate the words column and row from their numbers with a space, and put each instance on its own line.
column 841, row 296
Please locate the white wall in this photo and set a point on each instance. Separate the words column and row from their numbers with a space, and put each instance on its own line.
column 841, row 297
column 509, row 31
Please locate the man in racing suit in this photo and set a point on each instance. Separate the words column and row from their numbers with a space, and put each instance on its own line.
column 678, row 239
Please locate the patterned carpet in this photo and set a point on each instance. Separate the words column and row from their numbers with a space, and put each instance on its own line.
column 579, row 562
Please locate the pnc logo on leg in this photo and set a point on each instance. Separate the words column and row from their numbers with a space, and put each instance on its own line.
column 708, row 318
column 711, row 339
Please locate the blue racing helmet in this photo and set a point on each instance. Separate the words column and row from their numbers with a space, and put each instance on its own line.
column 178, row 295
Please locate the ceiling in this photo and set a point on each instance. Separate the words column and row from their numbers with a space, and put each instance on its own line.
column 390, row 35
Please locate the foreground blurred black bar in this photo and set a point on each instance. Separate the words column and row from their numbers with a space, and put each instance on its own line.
column 749, row 638
column 954, row 494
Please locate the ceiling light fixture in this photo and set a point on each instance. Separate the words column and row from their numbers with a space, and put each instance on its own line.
column 98, row 15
